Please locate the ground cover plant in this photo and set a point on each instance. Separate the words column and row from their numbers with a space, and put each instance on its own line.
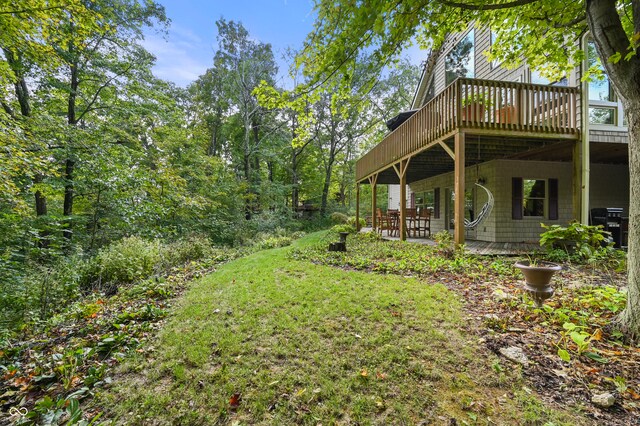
column 273, row 338
column 51, row 365
column 574, row 352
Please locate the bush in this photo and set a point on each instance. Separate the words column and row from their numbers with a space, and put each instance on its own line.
column 124, row 262
column 194, row 247
column 273, row 242
column 352, row 222
column 40, row 291
column 339, row 218
column 576, row 235
column 344, row 228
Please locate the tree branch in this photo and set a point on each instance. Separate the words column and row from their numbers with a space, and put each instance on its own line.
column 495, row 6
column 23, row 11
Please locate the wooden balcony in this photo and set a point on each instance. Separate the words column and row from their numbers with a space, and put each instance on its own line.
column 478, row 107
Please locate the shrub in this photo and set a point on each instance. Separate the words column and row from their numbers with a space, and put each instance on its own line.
column 273, row 242
column 556, row 236
column 124, row 262
column 41, row 290
column 344, row 228
column 194, row 247
column 352, row 222
column 444, row 243
column 339, row 218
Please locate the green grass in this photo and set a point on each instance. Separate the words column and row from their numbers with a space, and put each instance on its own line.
column 309, row 344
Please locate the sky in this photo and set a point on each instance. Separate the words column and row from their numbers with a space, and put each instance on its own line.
column 188, row 49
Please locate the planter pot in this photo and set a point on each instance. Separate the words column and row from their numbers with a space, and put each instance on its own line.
column 538, row 278
column 473, row 112
column 507, row 115
column 343, row 237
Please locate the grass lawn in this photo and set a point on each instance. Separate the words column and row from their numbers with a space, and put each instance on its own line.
column 271, row 340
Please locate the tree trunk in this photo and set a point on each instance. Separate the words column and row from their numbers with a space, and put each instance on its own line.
column 610, row 38
column 326, row 185
column 294, row 181
column 69, row 164
column 67, row 208
column 629, row 319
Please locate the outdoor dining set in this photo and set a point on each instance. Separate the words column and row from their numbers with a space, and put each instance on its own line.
column 418, row 222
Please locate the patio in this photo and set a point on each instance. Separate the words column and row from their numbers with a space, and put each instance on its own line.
column 482, row 248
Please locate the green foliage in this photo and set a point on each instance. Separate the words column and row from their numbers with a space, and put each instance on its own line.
column 366, row 251
column 273, row 242
column 582, row 244
column 124, row 262
column 339, row 218
column 192, row 248
column 344, row 227
column 556, row 236
column 352, row 221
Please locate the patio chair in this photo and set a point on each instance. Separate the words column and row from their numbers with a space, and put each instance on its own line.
column 411, row 217
column 423, row 223
column 383, row 222
column 394, row 222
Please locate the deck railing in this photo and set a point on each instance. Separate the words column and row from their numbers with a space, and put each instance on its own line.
column 473, row 104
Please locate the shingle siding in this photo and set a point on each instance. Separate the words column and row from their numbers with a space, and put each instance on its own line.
column 498, row 174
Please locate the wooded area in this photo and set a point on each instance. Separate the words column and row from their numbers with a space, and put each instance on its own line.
column 95, row 148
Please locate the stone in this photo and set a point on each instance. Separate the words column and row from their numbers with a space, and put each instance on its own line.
column 515, row 354
column 501, row 295
column 603, row 400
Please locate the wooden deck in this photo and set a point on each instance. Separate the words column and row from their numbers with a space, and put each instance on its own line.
column 482, row 248
column 477, row 107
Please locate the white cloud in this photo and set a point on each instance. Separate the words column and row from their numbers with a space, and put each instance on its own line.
column 181, row 58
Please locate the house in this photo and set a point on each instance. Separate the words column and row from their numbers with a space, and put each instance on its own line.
column 523, row 139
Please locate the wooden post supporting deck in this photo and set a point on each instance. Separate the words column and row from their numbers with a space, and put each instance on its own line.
column 577, row 181
column 373, row 179
column 358, row 207
column 459, row 184
column 401, row 171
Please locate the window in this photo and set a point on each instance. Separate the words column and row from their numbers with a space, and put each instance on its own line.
column 460, row 62
column 599, row 89
column 469, row 212
column 425, row 200
column 603, row 106
column 431, row 91
column 534, row 196
column 602, row 115
column 494, row 63
column 537, row 78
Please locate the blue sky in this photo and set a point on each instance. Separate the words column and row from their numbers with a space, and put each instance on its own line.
column 188, row 49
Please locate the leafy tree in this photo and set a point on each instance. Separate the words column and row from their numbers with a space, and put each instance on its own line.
column 544, row 32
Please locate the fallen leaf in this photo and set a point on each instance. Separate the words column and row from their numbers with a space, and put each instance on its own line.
column 380, row 375
column 633, row 393
column 364, row 373
column 234, row 401
column 597, row 335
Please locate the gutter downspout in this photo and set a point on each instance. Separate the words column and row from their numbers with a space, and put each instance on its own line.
column 586, row 155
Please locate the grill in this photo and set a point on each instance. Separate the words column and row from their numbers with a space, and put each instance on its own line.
column 612, row 221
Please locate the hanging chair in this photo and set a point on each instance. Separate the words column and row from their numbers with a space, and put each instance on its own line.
column 484, row 212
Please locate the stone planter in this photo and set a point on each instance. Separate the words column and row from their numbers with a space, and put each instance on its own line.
column 538, row 278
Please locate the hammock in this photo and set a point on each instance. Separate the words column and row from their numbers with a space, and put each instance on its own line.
column 484, row 212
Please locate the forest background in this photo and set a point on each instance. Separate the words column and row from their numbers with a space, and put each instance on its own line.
column 97, row 151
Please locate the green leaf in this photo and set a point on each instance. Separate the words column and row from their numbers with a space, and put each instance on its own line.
column 596, row 357
column 564, row 355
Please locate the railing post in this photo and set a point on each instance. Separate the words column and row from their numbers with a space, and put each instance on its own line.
column 458, row 102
